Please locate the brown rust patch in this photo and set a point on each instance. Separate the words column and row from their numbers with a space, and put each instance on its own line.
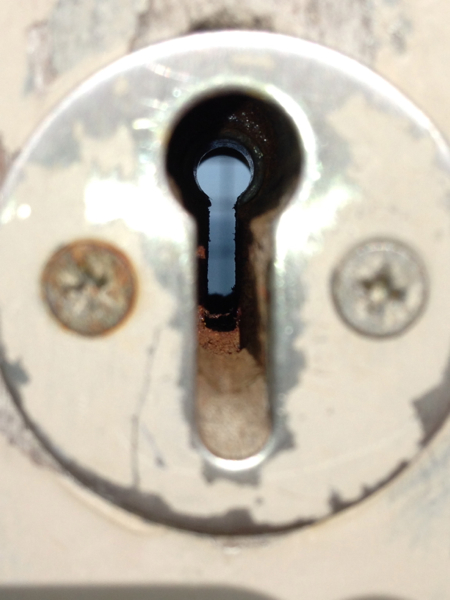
column 89, row 287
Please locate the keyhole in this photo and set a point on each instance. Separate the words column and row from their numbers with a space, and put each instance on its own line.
column 223, row 174
column 234, row 256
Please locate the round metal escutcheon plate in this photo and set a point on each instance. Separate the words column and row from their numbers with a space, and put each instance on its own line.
column 348, row 411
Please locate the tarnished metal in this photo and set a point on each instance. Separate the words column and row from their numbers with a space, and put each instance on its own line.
column 89, row 286
column 129, row 414
column 380, row 288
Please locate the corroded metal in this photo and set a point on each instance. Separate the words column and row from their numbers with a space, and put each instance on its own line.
column 89, row 286
column 124, row 413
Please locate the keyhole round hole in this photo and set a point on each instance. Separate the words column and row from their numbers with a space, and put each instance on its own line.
column 223, row 174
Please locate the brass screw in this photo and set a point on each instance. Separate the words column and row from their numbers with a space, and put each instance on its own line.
column 380, row 288
column 89, row 286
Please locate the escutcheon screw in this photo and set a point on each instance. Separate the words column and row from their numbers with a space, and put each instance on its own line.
column 89, row 286
column 380, row 288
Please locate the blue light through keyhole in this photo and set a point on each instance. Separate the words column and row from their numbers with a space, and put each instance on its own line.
column 223, row 178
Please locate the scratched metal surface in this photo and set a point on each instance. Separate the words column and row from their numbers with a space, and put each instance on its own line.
column 401, row 533
column 118, row 410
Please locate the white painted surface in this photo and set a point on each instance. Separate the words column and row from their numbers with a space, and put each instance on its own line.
column 396, row 544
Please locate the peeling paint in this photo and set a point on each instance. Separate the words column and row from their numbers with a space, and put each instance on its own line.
column 6, row 158
column 12, row 425
column 433, row 408
column 41, row 70
column 15, row 372
column 98, row 449
column 21, row 437
column 349, row 25
column 337, row 503
column 399, row 31
column 414, row 57
column 145, row 504
column 79, row 29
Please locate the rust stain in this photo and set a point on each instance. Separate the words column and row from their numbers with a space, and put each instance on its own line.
column 89, row 286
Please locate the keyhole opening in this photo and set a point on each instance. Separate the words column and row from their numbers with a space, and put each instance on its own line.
column 223, row 174
column 235, row 255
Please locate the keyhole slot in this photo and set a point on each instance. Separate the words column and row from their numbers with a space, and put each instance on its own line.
column 232, row 407
column 224, row 174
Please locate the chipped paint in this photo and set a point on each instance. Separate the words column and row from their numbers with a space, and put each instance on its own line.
column 141, row 452
column 81, row 29
column 433, row 408
column 41, row 70
column 402, row 535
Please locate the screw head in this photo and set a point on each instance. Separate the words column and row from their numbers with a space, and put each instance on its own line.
column 89, row 286
column 380, row 288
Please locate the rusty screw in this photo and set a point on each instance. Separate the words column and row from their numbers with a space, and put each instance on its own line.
column 89, row 286
column 380, row 288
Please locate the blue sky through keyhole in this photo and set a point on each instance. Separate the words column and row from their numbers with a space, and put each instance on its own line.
column 223, row 178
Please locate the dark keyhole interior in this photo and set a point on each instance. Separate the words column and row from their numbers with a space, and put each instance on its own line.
column 234, row 214
column 223, row 174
